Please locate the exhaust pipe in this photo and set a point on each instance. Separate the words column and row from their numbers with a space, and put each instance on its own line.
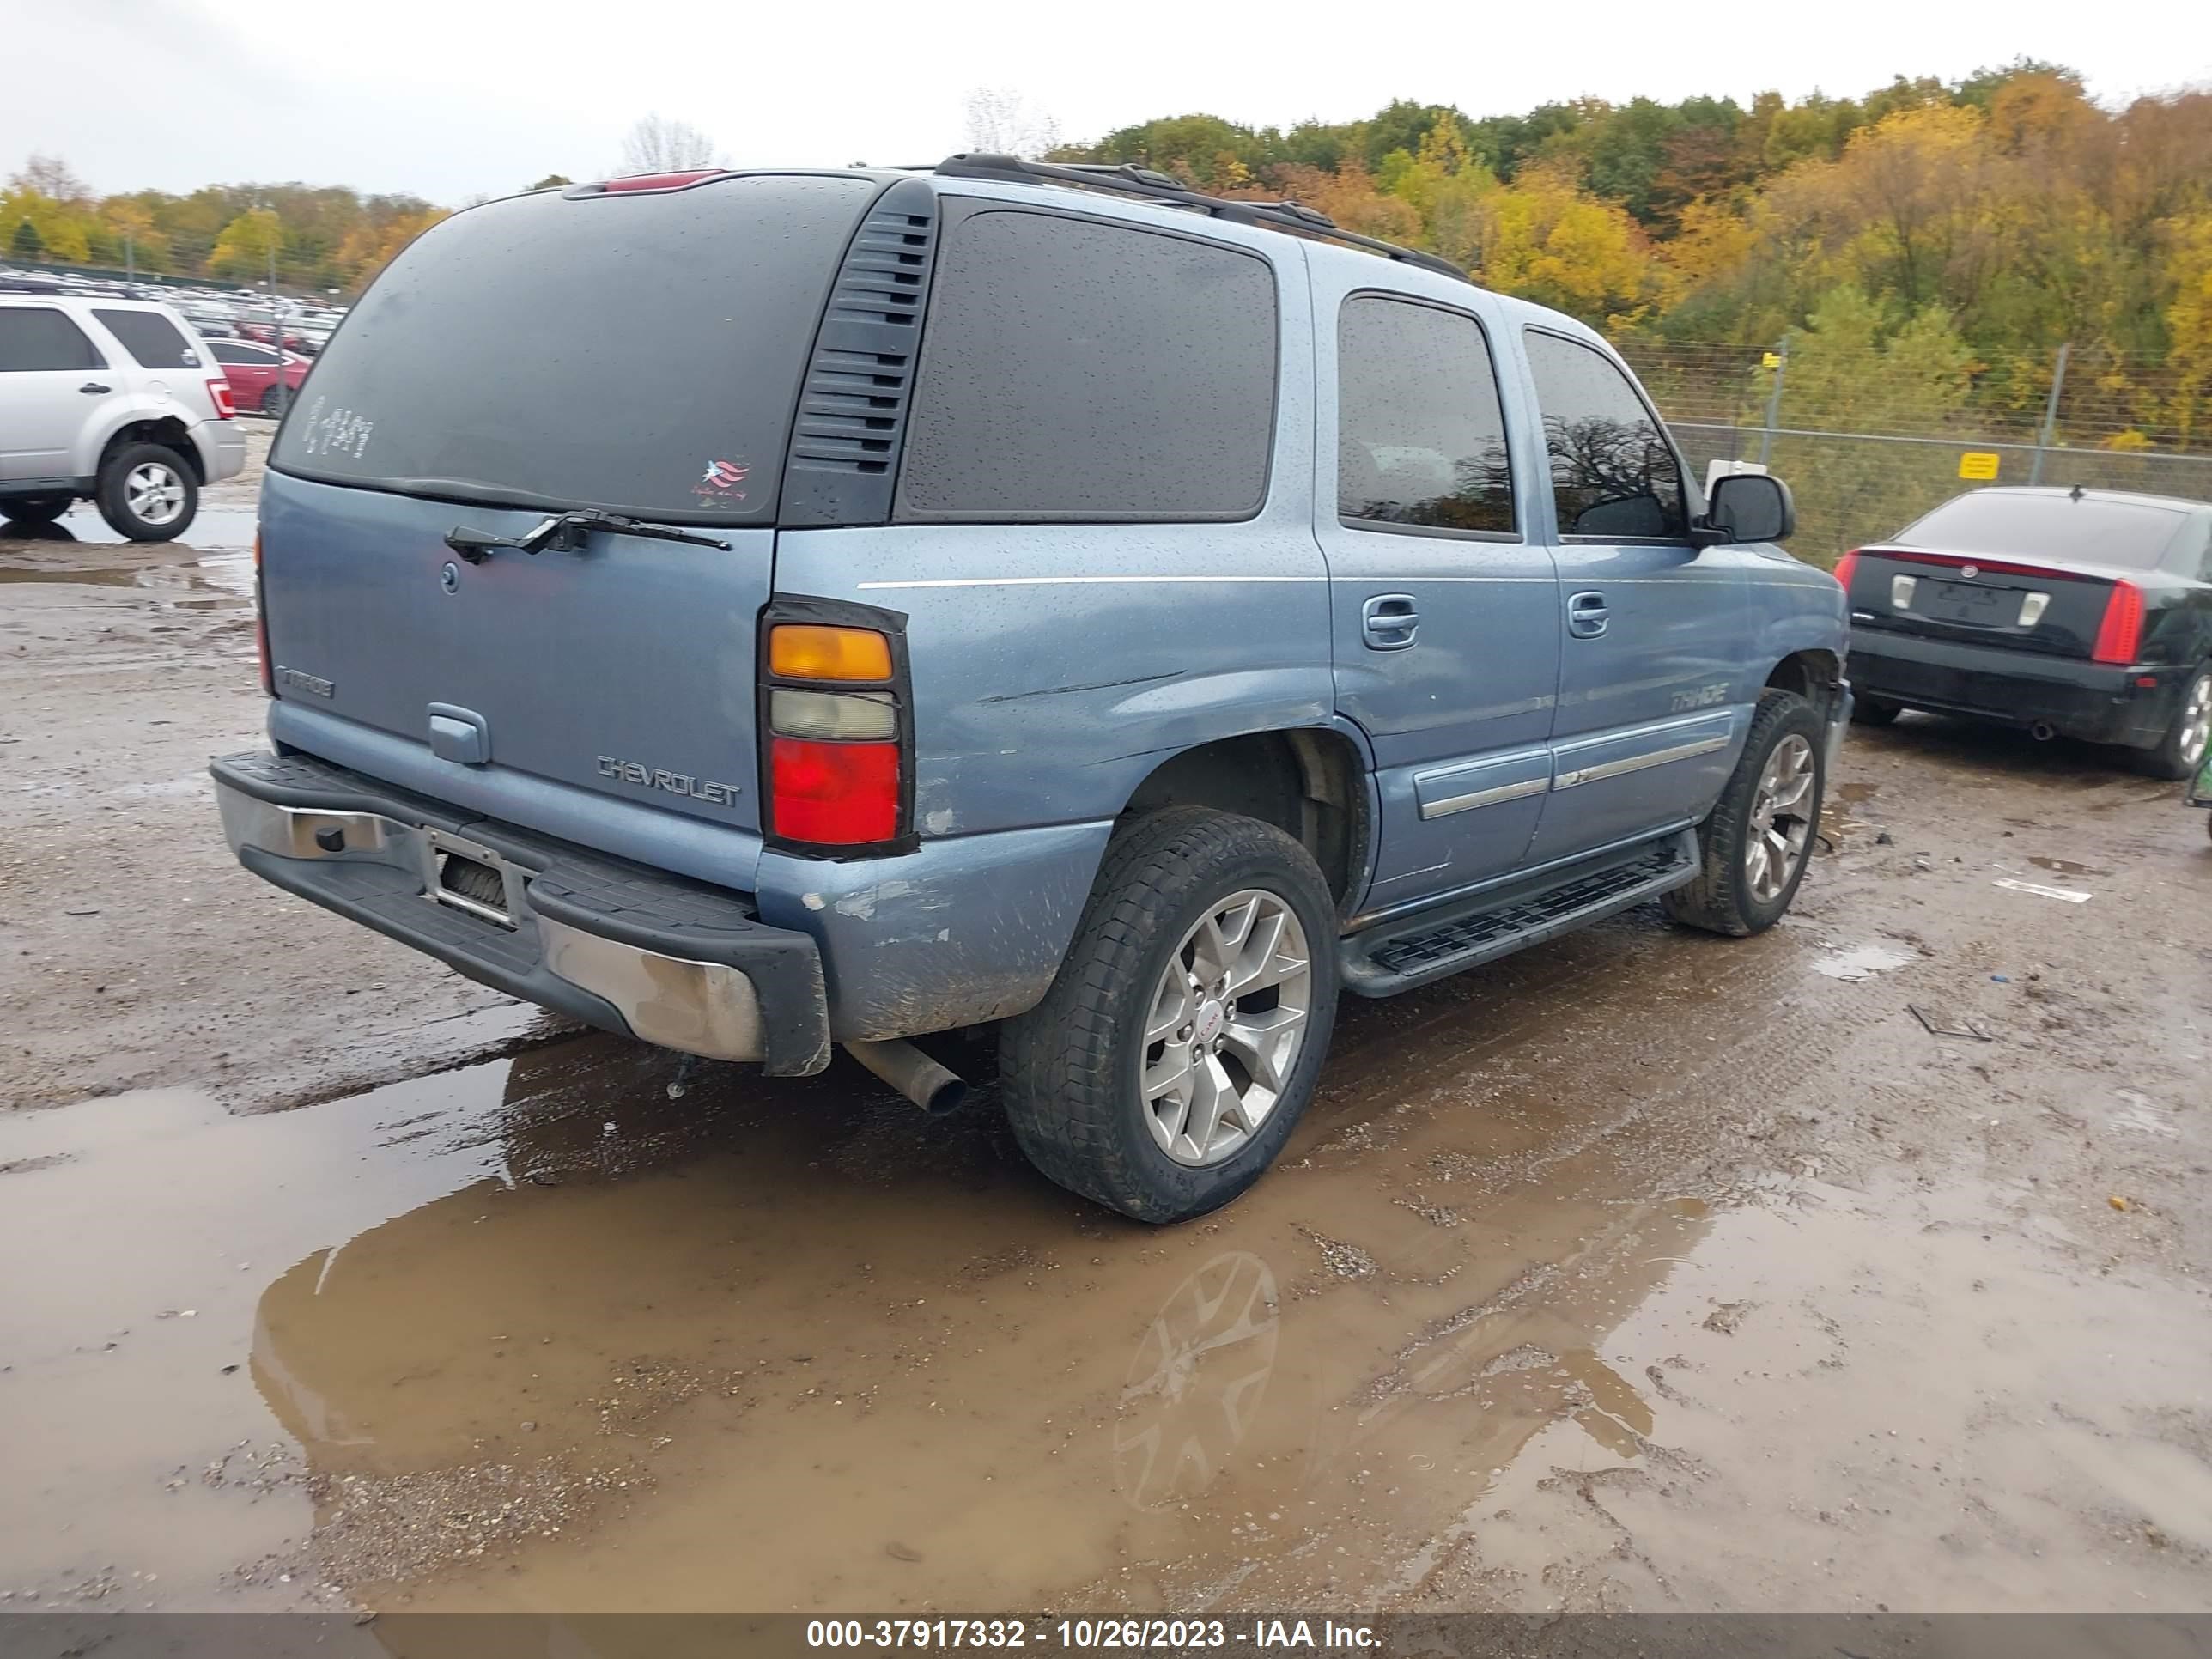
column 2043, row 730
column 912, row 1073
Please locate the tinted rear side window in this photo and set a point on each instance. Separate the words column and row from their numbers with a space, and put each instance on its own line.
column 152, row 340
column 1420, row 433
column 34, row 338
column 636, row 352
column 1613, row 473
column 2133, row 534
column 1081, row 371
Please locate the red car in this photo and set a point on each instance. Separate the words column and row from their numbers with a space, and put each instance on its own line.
column 252, row 370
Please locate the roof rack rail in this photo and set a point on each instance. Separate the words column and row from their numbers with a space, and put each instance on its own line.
column 1128, row 179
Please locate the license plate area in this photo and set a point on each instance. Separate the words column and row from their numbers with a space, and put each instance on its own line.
column 467, row 876
column 1963, row 602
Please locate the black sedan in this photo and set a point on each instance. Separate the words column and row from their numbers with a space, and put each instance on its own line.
column 2082, row 613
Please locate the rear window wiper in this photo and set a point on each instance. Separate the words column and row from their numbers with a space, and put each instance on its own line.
column 565, row 532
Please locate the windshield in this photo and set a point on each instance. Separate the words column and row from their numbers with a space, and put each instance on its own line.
column 2134, row 534
column 638, row 352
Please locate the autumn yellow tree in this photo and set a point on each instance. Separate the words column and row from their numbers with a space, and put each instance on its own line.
column 248, row 245
column 1546, row 239
column 368, row 248
column 2189, row 325
column 149, row 248
column 56, row 205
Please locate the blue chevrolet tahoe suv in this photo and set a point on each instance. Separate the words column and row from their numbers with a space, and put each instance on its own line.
column 757, row 611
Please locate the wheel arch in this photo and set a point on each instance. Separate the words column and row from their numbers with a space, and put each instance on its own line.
column 167, row 430
column 1311, row 782
column 1815, row 675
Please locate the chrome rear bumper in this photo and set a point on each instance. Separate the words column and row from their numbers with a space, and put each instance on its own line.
column 658, row 957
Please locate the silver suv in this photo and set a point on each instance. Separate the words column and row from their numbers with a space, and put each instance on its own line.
column 112, row 401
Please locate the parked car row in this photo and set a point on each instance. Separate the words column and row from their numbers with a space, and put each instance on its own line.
column 215, row 313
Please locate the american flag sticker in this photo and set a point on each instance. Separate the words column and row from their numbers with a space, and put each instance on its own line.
column 722, row 480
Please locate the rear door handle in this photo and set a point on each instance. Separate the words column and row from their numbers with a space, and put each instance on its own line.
column 1389, row 621
column 1587, row 615
column 94, row 386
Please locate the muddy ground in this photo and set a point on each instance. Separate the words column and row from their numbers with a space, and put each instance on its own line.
column 1642, row 1272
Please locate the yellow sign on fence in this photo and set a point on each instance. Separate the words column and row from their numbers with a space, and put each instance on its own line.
column 1977, row 464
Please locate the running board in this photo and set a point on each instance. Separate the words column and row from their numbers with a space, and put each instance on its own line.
column 1417, row 949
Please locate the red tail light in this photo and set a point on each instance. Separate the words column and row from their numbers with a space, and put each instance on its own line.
column 2121, row 634
column 226, row 406
column 1844, row 567
column 261, row 622
column 841, row 794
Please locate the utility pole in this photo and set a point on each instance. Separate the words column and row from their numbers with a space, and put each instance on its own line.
column 1774, row 402
column 2049, row 434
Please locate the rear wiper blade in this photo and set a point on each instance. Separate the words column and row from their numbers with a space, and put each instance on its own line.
column 565, row 532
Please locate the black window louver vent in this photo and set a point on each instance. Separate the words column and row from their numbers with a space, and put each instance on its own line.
column 853, row 403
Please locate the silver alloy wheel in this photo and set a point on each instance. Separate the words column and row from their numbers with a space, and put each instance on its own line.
column 2196, row 720
column 154, row 492
column 1781, row 822
column 1226, row 1024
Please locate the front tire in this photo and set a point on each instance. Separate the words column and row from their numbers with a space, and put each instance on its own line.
column 148, row 493
column 2181, row 751
column 1874, row 711
column 1756, row 843
column 276, row 399
column 1183, row 1036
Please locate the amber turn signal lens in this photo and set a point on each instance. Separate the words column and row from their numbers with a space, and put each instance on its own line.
column 809, row 651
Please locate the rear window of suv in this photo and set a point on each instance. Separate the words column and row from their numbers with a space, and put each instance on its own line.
column 1998, row 525
column 639, row 352
column 152, row 340
column 1079, row 371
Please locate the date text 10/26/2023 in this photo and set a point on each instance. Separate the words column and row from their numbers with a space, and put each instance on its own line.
column 1086, row 1635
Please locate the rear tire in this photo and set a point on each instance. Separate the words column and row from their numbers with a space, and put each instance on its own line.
column 33, row 509
column 1874, row 711
column 2181, row 751
column 1757, row 843
column 1091, row 1075
column 147, row 493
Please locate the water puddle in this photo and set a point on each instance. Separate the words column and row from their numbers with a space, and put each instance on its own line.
column 790, row 1343
column 80, row 578
column 534, row 1336
column 214, row 528
column 218, row 581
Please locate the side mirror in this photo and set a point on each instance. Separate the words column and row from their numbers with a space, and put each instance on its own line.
column 1749, row 507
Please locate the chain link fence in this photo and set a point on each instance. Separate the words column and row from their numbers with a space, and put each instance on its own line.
column 1867, row 442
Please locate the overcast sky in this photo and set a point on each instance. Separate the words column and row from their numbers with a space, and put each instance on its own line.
column 455, row 99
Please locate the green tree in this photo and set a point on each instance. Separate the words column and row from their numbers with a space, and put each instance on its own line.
column 27, row 243
column 248, row 245
column 1857, row 366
